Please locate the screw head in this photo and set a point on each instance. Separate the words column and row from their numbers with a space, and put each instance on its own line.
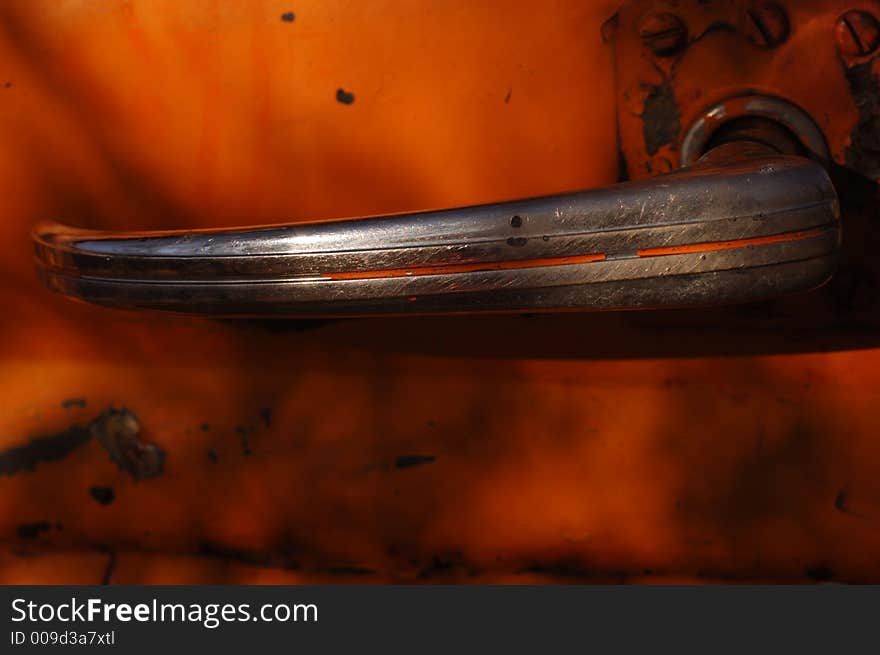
column 857, row 33
column 663, row 33
column 766, row 24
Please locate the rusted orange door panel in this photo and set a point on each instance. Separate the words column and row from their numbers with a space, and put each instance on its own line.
column 515, row 449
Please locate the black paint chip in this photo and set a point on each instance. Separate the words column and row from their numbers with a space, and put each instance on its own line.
column 33, row 530
column 840, row 501
column 104, row 495
column 242, row 432
column 288, row 17
column 408, row 461
column 345, row 97
column 43, row 449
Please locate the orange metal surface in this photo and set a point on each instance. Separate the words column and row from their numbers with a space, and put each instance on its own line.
column 485, row 449
column 722, row 62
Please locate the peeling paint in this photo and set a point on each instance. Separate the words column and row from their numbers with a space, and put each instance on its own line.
column 43, row 450
column 117, row 431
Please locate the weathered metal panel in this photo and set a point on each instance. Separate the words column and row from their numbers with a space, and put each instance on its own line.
column 736, row 445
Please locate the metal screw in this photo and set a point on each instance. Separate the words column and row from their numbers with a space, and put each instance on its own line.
column 766, row 24
column 857, row 33
column 664, row 34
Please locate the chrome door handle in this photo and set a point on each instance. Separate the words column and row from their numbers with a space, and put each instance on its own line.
column 744, row 223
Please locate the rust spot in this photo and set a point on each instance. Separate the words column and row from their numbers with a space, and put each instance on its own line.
column 661, row 118
column 117, row 431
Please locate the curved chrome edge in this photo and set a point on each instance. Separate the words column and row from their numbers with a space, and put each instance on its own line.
column 739, row 225
column 780, row 111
